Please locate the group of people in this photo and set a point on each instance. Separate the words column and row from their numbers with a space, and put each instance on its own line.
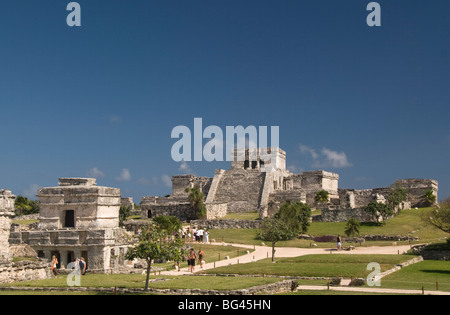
column 191, row 257
column 196, row 235
column 79, row 263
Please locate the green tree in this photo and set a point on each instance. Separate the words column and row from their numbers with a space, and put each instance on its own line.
column 295, row 215
column 196, row 198
column 379, row 210
column 439, row 217
column 124, row 213
column 397, row 195
column 24, row 206
column 428, row 198
column 274, row 230
column 170, row 224
column 154, row 244
column 322, row 196
column 352, row 228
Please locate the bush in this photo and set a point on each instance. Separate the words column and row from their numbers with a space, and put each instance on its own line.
column 379, row 210
column 325, row 238
column 24, row 206
column 296, row 216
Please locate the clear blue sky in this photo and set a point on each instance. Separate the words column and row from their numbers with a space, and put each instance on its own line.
column 101, row 100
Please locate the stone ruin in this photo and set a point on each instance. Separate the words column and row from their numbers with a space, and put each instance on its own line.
column 176, row 204
column 79, row 219
column 6, row 212
column 11, row 271
column 250, row 186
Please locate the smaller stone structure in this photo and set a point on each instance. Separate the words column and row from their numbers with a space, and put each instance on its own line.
column 177, row 204
column 79, row 219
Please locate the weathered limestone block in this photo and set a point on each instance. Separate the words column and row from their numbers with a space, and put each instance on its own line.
column 6, row 211
column 78, row 202
column 216, row 210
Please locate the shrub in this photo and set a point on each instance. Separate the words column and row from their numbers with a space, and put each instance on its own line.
column 296, row 216
column 325, row 238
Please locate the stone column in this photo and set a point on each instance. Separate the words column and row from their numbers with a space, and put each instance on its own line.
column 48, row 255
column 5, row 224
column 63, row 259
column 6, row 212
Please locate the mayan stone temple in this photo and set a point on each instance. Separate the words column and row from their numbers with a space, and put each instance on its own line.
column 252, row 185
column 78, row 219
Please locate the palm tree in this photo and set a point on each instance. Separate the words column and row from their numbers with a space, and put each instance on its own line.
column 322, row 197
column 352, row 228
column 428, row 198
column 196, row 198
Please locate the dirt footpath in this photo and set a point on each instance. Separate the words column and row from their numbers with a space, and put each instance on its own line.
column 263, row 252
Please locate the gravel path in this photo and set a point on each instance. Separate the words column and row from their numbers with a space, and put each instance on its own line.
column 262, row 252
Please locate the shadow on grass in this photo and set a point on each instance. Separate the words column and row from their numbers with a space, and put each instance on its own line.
column 371, row 224
column 444, row 272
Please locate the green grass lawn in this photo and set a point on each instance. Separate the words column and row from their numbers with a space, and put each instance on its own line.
column 212, row 253
column 137, row 281
column 415, row 276
column 346, row 266
column 408, row 222
column 425, row 274
column 242, row 216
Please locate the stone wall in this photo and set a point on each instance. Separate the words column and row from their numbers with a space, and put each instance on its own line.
column 227, row 224
column 428, row 254
column 436, row 255
column 24, row 271
column 278, row 197
column 181, row 182
column 278, row 287
column 416, row 188
column 182, row 210
column 343, row 216
column 240, row 189
column 216, row 210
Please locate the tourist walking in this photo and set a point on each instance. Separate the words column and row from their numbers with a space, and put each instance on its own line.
column 82, row 264
column 200, row 235
column 206, row 236
column 201, row 255
column 339, row 242
column 191, row 260
column 54, row 267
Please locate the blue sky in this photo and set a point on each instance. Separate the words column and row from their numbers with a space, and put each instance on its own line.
column 101, row 100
